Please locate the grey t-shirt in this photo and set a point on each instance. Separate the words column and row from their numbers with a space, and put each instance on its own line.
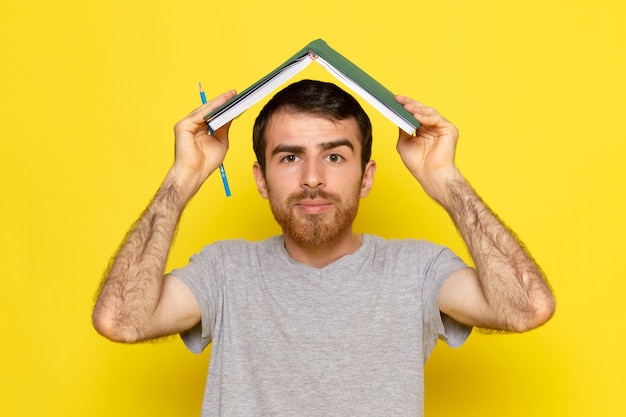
column 349, row 339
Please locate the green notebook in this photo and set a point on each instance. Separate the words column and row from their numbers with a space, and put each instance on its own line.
column 339, row 66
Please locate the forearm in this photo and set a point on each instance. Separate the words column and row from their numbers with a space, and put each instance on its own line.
column 515, row 291
column 131, row 288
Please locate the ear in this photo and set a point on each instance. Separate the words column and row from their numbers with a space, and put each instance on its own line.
column 260, row 180
column 368, row 178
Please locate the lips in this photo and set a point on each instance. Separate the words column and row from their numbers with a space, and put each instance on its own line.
column 313, row 206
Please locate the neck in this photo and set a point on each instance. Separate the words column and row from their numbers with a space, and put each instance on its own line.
column 323, row 255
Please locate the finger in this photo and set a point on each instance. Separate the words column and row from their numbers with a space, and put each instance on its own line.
column 421, row 109
column 403, row 136
column 212, row 104
column 195, row 122
column 418, row 109
column 404, row 100
column 429, row 118
column 221, row 99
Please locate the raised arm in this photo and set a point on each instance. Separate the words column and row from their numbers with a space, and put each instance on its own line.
column 135, row 301
column 507, row 290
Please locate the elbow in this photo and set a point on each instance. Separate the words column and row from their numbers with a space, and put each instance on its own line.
column 113, row 329
column 536, row 315
column 545, row 311
column 538, row 305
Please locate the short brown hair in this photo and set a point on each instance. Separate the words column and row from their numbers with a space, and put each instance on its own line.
column 318, row 98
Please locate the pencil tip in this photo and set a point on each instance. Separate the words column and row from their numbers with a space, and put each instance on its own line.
column 200, row 85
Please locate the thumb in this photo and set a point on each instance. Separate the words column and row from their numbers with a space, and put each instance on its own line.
column 221, row 134
column 403, row 137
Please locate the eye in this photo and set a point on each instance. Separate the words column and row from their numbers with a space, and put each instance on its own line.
column 335, row 158
column 288, row 159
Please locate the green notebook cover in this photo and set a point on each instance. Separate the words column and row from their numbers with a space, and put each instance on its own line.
column 340, row 63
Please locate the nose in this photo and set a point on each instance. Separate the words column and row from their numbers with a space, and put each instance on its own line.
column 312, row 175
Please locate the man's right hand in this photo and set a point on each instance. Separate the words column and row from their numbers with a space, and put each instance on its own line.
column 198, row 153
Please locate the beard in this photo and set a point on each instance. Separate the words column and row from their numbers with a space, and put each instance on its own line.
column 315, row 230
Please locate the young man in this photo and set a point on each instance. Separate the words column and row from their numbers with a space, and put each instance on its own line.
column 319, row 321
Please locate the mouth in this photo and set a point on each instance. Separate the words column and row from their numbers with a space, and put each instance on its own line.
column 313, row 206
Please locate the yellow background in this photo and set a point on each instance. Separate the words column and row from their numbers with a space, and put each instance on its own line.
column 89, row 92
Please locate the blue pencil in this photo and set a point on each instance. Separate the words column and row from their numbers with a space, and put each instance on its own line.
column 222, row 170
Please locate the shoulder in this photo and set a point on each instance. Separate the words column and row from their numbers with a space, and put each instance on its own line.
column 402, row 246
column 413, row 255
column 238, row 252
column 241, row 246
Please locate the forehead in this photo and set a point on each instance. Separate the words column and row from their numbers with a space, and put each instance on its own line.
column 286, row 127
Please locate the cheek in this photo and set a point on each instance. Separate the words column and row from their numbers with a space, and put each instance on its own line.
column 281, row 183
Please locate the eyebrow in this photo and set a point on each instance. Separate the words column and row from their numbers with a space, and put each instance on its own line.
column 335, row 144
column 323, row 146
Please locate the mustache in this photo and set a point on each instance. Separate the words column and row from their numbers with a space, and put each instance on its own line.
column 312, row 195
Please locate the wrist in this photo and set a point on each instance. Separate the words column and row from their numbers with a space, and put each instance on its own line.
column 186, row 183
column 460, row 198
column 441, row 185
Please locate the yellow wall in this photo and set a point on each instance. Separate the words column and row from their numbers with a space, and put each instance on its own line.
column 89, row 92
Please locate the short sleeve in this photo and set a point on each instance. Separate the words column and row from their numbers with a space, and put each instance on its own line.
column 438, row 325
column 203, row 276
